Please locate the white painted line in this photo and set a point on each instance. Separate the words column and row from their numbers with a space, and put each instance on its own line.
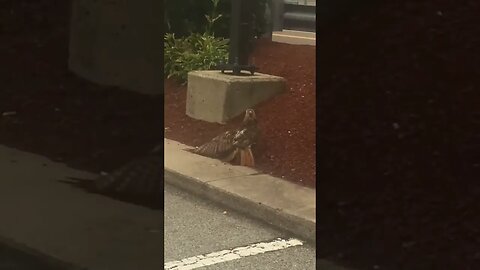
column 231, row 254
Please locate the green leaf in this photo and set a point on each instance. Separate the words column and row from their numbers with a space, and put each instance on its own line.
column 194, row 52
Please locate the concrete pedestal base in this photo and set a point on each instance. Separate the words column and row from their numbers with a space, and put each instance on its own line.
column 216, row 97
column 118, row 43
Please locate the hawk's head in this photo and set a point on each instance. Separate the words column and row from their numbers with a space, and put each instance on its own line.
column 249, row 116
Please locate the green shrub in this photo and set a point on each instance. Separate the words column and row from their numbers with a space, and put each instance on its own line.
column 194, row 52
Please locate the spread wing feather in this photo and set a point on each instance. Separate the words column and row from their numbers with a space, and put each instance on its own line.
column 138, row 181
column 219, row 147
column 228, row 145
column 245, row 137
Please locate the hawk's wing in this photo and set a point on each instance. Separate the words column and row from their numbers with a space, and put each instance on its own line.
column 140, row 181
column 219, row 147
column 245, row 137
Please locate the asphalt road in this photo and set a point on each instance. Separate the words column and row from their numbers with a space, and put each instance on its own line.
column 108, row 234
column 194, row 227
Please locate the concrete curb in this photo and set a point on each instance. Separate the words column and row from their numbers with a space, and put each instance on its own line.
column 284, row 205
column 294, row 37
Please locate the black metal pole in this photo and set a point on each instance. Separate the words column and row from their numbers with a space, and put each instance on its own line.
column 234, row 35
column 277, row 14
column 240, row 36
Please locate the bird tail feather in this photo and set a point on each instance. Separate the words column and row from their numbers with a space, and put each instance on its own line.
column 246, row 157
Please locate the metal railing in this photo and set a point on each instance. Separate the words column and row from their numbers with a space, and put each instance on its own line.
column 302, row 2
column 293, row 15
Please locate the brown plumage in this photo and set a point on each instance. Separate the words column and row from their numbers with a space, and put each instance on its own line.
column 139, row 181
column 233, row 145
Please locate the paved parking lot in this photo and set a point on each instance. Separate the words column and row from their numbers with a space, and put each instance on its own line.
column 108, row 234
column 197, row 231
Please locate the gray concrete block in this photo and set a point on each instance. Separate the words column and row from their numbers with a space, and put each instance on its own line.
column 118, row 43
column 216, row 97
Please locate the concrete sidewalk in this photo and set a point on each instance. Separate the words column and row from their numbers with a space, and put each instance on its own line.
column 284, row 205
column 70, row 225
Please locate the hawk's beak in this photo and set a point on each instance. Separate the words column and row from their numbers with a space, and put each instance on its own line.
column 249, row 114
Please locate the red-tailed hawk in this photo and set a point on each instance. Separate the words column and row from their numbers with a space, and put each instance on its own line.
column 233, row 144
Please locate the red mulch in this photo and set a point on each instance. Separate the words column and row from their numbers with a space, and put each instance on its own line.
column 287, row 122
column 59, row 115
column 399, row 137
